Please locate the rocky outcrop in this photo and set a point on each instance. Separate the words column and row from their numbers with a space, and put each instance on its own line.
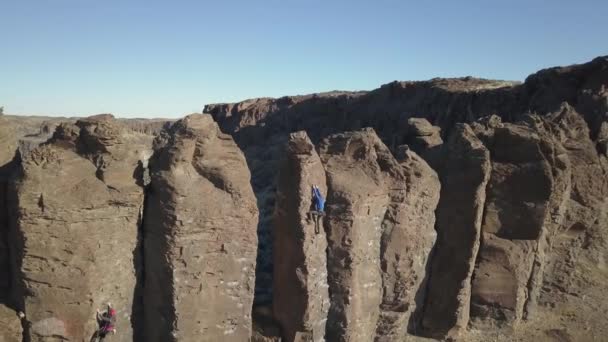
column 301, row 299
column 357, row 200
column 261, row 126
column 575, row 265
column 74, row 227
column 200, row 236
column 521, row 219
column 407, row 239
column 516, row 181
column 424, row 139
column 525, row 199
column 367, row 205
column 466, row 171
column 10, row 325
column 421, row 135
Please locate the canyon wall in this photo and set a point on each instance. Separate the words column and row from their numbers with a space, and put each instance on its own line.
column 460, row 209
column 200, row 236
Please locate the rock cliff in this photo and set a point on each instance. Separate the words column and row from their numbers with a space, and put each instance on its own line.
column 301, row 297
column 459, row 209
column 200, row 236
column 74, row 228
column 520, row 166
column 370, row 250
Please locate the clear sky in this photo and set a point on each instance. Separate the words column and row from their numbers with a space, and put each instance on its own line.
column 169, row 58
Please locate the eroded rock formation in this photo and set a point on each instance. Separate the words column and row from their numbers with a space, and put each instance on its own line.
column 200, row 236
column 380, row 231
column 407, row 239
column 301, row 299
column 74, row 227
column 521, row 238
column 466, row 171
column 357, row 164
column 525, row 199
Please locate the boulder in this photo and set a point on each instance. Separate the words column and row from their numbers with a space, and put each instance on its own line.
column 200, row 236
column 466, row 171
column 424, row 139
column 75, row 211
column 421, row 127
column 301, row 299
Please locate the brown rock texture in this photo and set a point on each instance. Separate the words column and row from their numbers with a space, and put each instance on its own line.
column 74, row 226
column 407, row 239
column 466, row 171
column 301, row 299
column 10, row 325
column 200, row 237
column 261, row 126
column 357, row 200
column 522, row 244
column 525, row 199
column 370, row 215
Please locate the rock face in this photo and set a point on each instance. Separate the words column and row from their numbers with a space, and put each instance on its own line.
column 357, row 200
column 466, row 171
column 200, row 237
column 421, row 135
column 301, row 299
column 525, row 202
column 407, row 239
column 575, row 265
column 522, row 243
column 367, row 205
column 261, row 126
column 424, row 138
column 10, row 325
column 74, row 226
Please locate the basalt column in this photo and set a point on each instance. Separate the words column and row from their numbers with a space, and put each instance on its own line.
column 200, row 236
column 301, row 300
column 465, row 173
column 74, row 227
column 376, row 255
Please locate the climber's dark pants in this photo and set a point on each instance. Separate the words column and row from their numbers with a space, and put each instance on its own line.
column 316, row 215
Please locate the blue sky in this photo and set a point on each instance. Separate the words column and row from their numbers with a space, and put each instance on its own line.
column 169, row 58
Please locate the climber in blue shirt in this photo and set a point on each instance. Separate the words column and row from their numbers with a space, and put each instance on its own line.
column 318, row 203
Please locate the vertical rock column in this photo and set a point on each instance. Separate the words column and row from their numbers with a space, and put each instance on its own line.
column 465, row 173
column 526, row 194
column 301, row 299
column 75, row 228
column 407, row 239
column 200, row 237
column 378, row 243
column 356, row 204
